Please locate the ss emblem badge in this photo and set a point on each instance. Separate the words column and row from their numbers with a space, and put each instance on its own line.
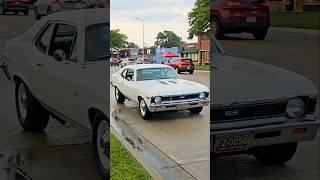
column 231, row 113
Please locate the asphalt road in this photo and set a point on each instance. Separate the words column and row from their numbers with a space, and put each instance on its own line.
column 181, row 137
column 294, row 50
column 60, row 152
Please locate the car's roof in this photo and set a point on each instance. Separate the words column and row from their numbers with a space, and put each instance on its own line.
column 90, row 16
column 147, row 66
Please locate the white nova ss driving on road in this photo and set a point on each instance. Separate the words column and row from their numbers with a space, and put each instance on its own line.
column 158, row 88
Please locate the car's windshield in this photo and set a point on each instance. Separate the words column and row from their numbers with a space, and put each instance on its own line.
column 156, row 73
column 97, row 42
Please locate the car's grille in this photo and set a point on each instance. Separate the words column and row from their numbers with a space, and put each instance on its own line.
column 252, row 111
column 248, row 111
column 182, row 97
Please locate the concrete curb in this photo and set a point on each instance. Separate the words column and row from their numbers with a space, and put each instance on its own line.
column 295, row 30
column 151, row 171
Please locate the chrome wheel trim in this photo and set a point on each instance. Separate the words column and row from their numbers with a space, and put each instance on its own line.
column 22, row 101
column 143, row 107
column 103, row 143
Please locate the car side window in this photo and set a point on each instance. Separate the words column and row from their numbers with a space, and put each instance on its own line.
column 64, row 39
column 44, row 39
column 130, row 74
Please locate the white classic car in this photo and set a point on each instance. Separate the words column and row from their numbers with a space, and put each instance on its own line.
column 158, row 88
column 59, row 70
column 259, row 109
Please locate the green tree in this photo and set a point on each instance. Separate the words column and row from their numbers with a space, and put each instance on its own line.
column 132, row 45
column 118, row 40
column 199, row 18
column 167, row 39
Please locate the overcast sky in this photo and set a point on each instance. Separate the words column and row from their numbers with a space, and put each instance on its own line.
column 158, row 15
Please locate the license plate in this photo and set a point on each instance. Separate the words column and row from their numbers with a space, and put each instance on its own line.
column 251, row 19
column 231, row 143
column 188, row 67
column 182, row 107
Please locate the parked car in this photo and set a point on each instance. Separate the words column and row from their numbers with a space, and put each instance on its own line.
column 115, row 62
column 128, row 61
column 181, row 65
column 46, row 7
column 58, row 67
column 15, row 6
column 237, row 16
column 148, row 61
column 259, row 109
column 158, row 88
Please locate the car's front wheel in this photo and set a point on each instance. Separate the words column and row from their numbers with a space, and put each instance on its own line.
column 32, row 116
column 260, row 35
column 276, row 154
column 101, row 145
column 196, row 110
column 144, row 110
column 119, row 96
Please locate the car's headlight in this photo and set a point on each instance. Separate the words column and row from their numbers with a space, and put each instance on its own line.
column 202, row 95
column 295, row 108
column 157, row 99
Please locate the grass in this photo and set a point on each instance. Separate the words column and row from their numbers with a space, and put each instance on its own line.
column 123, row 164
column 306, row 20
column 202, row 67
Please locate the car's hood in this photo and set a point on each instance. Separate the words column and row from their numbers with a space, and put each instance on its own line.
column 241, row 80
column 171, row 87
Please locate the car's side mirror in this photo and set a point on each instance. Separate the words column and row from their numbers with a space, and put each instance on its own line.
column 59, row 55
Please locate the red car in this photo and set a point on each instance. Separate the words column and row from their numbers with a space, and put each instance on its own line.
column 237, row 16
column 182, row 65
column 15, row 6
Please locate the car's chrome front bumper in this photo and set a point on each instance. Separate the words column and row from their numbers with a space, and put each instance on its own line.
column 176, row 105
column 273, row 134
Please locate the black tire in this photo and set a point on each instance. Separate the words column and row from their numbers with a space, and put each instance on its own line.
column 36, row 117
column 37, row 15
column 196, row 110
column 101, row 120
column 145, row 113
column 260, row 35
column 276, row 154
column 191, row 72
column 16, row 12
column 217, row 29
column 120, row 98
column 49, row 11
column 177, row 70
column 26, row 12
column 2, row 11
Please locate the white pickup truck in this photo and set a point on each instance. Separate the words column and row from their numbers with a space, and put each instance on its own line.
column 59, row 67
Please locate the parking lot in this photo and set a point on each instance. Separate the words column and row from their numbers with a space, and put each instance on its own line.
column 61, row 152
column 295, row 50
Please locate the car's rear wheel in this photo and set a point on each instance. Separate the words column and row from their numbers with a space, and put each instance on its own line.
column 119, row 96
column 101, row 145
column 144, row 110
column 276, row 154
column 216, row 28
column 36, row 13
column 191, row 72
column 196, row 110
column 260, row 35
column 32, row 116
column 177, row 70
column 26, row 12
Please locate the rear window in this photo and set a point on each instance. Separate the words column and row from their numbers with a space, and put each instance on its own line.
column 186, row 60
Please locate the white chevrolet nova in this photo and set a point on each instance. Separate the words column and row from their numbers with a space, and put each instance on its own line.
column 59, row 67
column 158, row 88
column 259, row 109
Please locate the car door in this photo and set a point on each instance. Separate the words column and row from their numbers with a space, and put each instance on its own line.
column 130, row 84
column 65, row 71
column 122, row 82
